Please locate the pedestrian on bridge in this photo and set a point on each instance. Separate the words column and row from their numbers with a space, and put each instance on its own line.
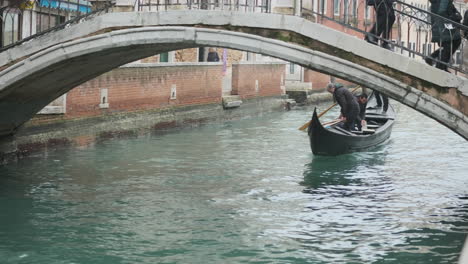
column 382, row 100
column 348, row 103
column 212, row 55
column 385, row 17
column 446, row 34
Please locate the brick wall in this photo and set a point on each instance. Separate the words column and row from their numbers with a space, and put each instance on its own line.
column 186, row 55
column 319, row 80
column 146, row 87
column 257, row 79
column 363, row 24
column 191, row 55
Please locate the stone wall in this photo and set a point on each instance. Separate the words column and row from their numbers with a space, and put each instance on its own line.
column 186, row 55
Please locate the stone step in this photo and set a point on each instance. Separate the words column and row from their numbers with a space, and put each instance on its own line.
column 298, row 86
column 231, row 101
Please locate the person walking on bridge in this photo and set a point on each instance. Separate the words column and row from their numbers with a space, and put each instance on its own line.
column 385, row 17
column 444, row 32
column 348, row 103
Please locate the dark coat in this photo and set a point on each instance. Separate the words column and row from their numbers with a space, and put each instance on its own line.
column 212, row 56
column 384, row 7
column 446, row 9
column 347, row 101
column 362, row 110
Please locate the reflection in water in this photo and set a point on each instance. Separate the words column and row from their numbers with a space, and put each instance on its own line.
column 388, row 206
column 347, row 169
column 248, row 191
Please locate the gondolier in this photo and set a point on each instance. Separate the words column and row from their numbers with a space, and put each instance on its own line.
column 348, row 103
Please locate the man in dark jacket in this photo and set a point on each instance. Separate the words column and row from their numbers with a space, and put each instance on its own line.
column 361, row 119
column 348, row 103
column 385, row 17
column 446, row 34
column 212, row 55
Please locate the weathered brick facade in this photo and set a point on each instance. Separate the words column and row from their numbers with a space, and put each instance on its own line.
column 319, row 80
column 251, row 80
column 144, row 88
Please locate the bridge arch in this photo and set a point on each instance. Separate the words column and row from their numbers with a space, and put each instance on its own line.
column 29, row 84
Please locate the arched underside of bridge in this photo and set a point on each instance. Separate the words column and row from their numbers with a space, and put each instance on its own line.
column 29, row 84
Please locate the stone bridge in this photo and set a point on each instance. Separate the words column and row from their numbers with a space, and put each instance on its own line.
column 36, row 72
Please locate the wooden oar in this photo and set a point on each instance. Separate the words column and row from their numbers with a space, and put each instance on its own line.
column 329, row 123
column 306, row 125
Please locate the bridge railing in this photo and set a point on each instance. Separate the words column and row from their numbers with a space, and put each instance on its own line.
column 410, row 34
column 42, row 17
column 262, row 6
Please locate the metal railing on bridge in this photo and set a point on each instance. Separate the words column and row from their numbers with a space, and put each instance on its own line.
column 410, row 34
column 23, row 20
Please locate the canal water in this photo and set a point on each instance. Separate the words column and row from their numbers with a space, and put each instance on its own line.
column 246, row 191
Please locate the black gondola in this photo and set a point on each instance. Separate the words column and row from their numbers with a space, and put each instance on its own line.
column 333, row 140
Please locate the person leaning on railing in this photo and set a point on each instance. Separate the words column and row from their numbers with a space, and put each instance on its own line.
column 444, row 32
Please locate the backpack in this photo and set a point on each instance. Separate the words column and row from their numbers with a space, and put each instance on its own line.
column 454, row 15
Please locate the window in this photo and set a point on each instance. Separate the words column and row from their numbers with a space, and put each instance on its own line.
column 355, row 9
column 10, row 27
column 164, row 57
column 346, row 10
column 323, row 7
column 46, row 21
column 291, row 68
column 201, row 54
column 336, row 7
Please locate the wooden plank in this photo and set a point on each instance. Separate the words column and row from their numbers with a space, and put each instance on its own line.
column 343, row 130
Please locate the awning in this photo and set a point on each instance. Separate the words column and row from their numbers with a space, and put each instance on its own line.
column 73, row 5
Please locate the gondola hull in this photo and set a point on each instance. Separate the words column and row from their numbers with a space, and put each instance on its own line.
column 335, row 141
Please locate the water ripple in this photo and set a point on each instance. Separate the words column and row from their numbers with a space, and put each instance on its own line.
column 247, row 191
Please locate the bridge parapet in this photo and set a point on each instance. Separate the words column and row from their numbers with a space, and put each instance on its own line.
column 282, row 27
column 411, row 34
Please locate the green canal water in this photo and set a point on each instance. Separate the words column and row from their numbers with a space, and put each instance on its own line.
column 247, row 191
